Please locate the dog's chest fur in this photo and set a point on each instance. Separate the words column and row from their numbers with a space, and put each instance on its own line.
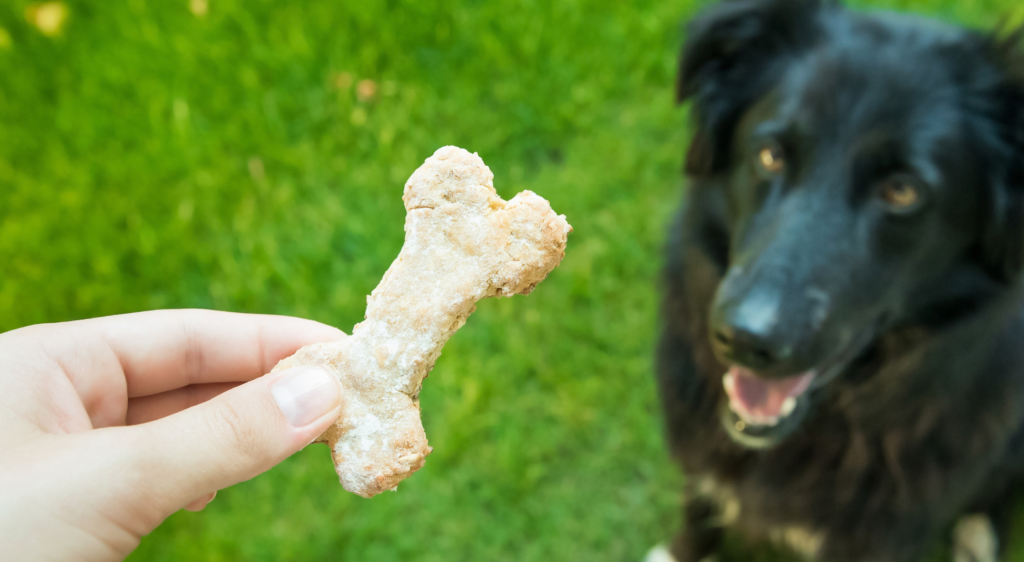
column 801, row 539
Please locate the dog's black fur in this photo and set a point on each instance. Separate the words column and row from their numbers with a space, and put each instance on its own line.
column 924, row 310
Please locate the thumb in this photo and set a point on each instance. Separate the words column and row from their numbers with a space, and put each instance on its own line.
column 235, row 436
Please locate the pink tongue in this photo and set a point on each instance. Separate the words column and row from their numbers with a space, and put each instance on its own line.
column 760, row 400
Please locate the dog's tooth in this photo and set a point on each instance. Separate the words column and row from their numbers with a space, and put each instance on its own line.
column 728, row 383
column 787, row 407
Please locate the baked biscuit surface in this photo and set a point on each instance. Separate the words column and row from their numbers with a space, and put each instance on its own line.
column 463, row 243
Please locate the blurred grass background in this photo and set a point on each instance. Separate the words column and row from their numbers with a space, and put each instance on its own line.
column 250, row 156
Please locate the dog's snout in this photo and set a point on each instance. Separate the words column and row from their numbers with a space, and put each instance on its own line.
column 749, row 333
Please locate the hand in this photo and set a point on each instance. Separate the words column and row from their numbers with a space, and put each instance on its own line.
column 109, row 426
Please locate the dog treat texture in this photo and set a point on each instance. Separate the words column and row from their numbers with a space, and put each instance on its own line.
column 463, row 243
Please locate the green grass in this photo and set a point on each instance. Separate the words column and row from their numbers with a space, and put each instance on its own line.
column 150, row 158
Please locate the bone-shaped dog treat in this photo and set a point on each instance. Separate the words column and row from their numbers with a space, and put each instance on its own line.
column 463, row 243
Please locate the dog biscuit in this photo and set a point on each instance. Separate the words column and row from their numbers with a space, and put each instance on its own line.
column 463, row 243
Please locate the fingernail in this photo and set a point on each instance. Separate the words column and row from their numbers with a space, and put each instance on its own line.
column 305, row 394
column 199, row 504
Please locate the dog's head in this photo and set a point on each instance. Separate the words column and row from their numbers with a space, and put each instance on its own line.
column 872, row 168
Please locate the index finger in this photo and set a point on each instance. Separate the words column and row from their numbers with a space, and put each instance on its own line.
column 167, row 349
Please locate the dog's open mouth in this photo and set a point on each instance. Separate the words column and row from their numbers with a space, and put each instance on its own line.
column 760, row 413
column 763, row 402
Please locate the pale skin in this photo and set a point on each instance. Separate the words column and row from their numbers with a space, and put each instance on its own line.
column 111, row 425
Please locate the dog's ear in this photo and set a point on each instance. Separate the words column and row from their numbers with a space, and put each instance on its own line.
column 1004, row 235
column 733, row 54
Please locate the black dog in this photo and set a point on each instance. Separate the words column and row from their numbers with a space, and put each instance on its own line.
column 842, row 362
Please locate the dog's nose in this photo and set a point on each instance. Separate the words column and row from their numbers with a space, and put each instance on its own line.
column 747, row 348
column 749, row 334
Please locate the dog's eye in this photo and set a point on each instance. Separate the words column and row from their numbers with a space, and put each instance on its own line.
column 900, row 194
column 770, row 159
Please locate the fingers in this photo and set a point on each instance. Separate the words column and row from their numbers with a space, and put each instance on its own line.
column 61, row 377
column 167, row 349
column 108, row 360
column 150, row 408
column 230, row 438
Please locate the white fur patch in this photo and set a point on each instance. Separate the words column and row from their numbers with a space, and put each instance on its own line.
column 975, row 540
column 659, row 554
column 801, row 540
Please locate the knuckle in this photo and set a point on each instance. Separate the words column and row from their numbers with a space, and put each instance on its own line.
column 193, row 395
column 239, row 434
column 193, row 357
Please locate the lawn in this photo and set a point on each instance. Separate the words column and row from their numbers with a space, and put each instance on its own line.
column 250, row 156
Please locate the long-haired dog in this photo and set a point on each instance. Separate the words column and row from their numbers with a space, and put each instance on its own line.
column 842, row 358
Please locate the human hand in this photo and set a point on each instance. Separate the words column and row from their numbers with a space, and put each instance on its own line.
column 111, row 425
